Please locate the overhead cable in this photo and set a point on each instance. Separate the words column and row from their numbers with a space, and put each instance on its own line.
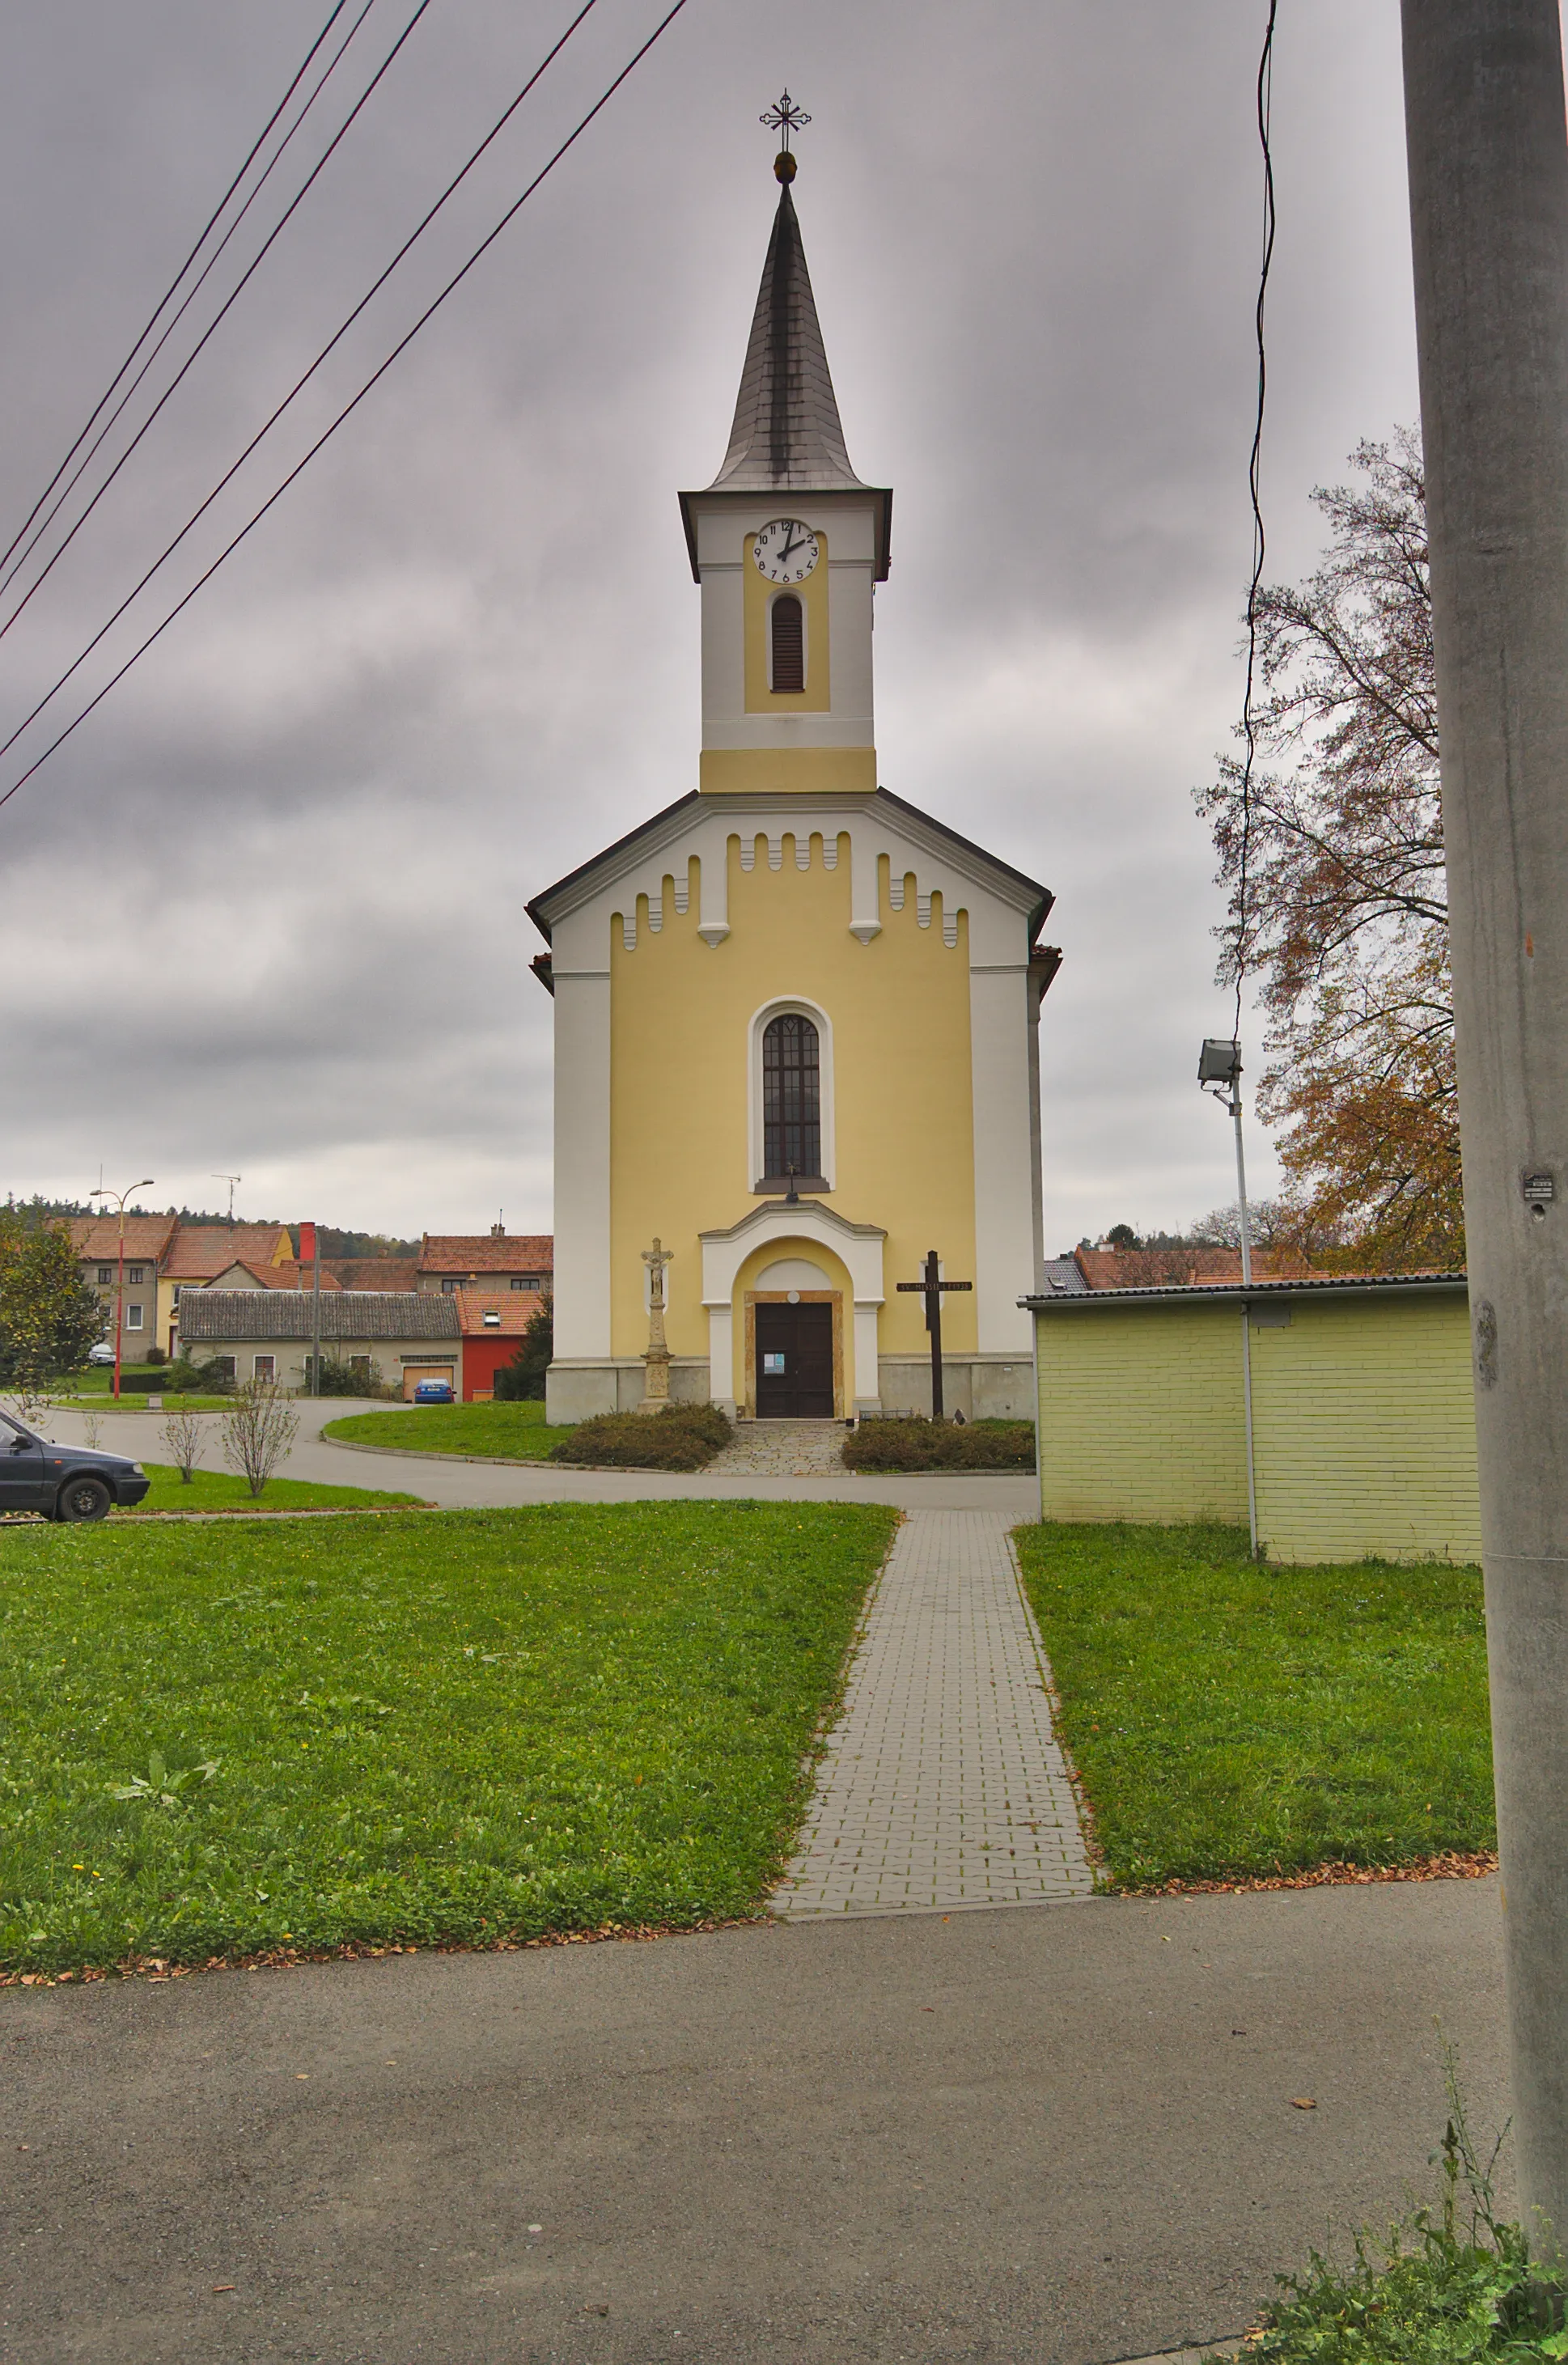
column 1254, row 485
column 235, row 293
column 303, row 381
column 173, row 289
column 325, row 437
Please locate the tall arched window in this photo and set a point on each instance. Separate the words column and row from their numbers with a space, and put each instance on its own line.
column 791, row 1097
column 787, row 625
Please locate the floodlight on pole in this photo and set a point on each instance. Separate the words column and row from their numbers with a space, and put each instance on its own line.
column 1219, row 1074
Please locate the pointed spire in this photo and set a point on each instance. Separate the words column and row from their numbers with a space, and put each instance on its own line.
column 787, row 434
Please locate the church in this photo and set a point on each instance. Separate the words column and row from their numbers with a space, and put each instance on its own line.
column 796, row 1020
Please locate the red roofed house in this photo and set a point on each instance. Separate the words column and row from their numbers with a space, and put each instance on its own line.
column 96, row 1240
column 493, row 1321
column 200, row 1255
column 495, row 1259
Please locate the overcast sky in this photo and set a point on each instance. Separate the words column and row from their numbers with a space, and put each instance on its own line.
column 264, row 913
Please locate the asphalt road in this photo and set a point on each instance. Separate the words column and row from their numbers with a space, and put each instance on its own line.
column 440, row 1478
column 1061, row 2134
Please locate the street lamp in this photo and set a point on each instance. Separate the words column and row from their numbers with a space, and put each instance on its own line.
column 1219, row 1074
column 119, row 1198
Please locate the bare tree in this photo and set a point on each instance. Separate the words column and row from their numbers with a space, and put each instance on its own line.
column 183, row 1436
column 1346, row 924
column 258, row 1429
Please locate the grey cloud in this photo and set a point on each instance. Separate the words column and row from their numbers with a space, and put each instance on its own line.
column 266, row 911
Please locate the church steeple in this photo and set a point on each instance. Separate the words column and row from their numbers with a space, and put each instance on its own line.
column 787, row 544
column 786, row 435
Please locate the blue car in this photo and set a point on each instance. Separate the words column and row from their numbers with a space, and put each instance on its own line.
column 433, row 1392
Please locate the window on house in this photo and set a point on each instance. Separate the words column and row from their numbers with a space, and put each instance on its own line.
column 133, row 1318
column 788, row 624
column 791, row 1097
column 525, row 1281
column 360, row 1363
column 134, row 1273
column 105, row 1275
column 224, row 1365
column 449, row 1288
column 264, row 1367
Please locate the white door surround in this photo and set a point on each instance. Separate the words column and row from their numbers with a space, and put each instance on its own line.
column 858, row 1247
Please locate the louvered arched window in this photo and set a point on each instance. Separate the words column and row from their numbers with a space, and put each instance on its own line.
column 787, row 624
column 791, row 1097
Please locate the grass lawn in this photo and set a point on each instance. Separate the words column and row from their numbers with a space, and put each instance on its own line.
column 222, row 1490
column 514, row 1432
column 460, row 1725
column 99, row 1400
column 1228, row 1719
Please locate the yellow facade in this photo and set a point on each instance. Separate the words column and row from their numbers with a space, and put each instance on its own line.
column 681, row 1033
column 1364, row 1428
column 1141, row 1414
column 1363, row 1420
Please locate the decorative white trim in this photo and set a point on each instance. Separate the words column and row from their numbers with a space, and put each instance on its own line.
column 858, row 1247
column 779, row 1007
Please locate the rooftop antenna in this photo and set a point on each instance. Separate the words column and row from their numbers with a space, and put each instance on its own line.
column 231, row 1180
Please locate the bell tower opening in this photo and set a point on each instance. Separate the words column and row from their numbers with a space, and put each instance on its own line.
column 787, row 647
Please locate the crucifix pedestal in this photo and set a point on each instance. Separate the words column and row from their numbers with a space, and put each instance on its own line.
column 656, row 1356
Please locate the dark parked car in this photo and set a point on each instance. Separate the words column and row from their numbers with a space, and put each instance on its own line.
column 63, row 1482
column 433, row 1392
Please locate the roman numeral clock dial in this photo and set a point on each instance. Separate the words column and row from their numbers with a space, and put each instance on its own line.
column 785, row 551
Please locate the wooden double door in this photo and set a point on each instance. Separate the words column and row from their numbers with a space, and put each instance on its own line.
column 794, row 1362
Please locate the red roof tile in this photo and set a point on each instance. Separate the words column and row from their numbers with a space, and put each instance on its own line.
column 371, row 1273
column 483, row 1252
column 146, row 1236
column 515, row 1308
column 201, row 1251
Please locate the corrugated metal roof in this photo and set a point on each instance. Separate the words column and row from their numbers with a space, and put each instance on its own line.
column 222, row 1315
column 1325, row 1285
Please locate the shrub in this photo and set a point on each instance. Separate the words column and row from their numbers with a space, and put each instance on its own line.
column 258, row 1430
column 921, row 1444
column 344, row 1377
column 681, row 1437
column 156, row 1357
column 523, row 1380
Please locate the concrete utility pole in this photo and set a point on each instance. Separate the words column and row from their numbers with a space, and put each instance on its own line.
column 1488, row 160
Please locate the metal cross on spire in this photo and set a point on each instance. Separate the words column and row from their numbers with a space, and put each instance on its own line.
column 785, row 117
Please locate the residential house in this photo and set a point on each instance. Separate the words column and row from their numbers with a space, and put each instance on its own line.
column 494, row 1322
column 96, row 1240
column 198, row 1253
column 1089, row 1271
column 523, row 1262
column 401, row 1336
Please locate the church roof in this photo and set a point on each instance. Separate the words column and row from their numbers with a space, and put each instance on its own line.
column 787, row 434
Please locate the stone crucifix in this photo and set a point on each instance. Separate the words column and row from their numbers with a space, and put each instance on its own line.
column 655, row 1359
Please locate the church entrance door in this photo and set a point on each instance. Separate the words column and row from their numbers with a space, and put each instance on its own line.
column 794, row 1362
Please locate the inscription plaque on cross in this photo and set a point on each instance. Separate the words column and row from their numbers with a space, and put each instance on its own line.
column 931, row 1288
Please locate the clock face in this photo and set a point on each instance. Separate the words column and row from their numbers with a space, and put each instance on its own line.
column 785, row 551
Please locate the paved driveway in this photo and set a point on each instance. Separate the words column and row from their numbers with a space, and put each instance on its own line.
column 1058, row 2135
column 440, row 1479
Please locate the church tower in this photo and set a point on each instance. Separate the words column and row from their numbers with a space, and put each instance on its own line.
column 787, row 599
column 796, row 1019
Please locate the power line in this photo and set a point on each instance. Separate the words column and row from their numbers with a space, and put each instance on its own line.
column 345, row 413
column 300, row 383
column 168, row 295
column 230, row 301
column 1249, row 726
column 190, row 297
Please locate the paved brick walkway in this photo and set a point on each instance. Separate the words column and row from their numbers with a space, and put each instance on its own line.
column 942, row 1786
column 783, row 1449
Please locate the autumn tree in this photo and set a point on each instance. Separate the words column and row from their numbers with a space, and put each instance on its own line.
column 49, row 1316
column 1345, row 926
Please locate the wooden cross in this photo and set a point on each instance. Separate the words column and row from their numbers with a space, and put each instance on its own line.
column 931, row 1288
